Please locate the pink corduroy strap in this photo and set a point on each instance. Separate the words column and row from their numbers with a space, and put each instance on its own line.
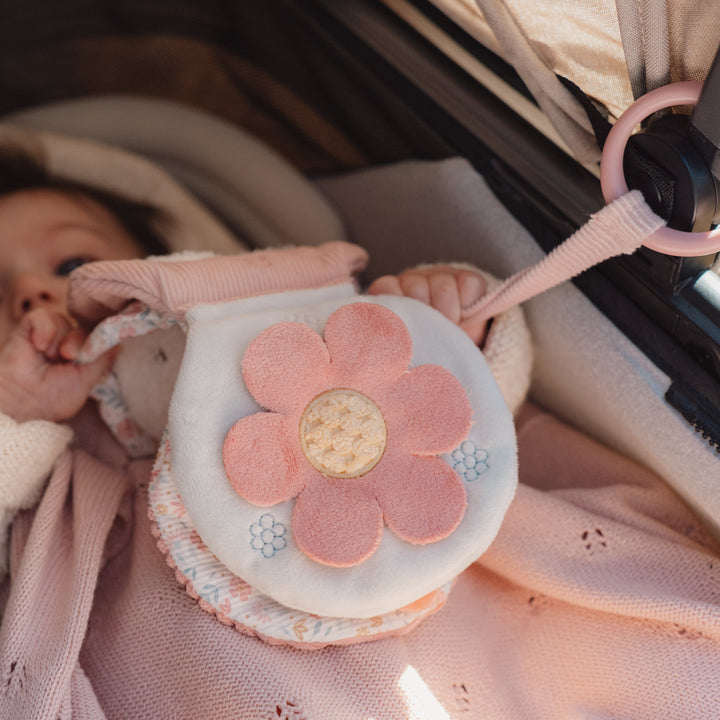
column 618, row 229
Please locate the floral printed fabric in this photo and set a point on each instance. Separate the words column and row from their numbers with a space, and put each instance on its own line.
column 116, row 415
column 135, row 320
column 237, row 603
column 380, row 428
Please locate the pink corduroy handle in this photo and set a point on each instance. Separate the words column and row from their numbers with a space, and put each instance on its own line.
column 619, row 228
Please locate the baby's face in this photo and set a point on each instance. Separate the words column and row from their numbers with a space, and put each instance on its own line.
column 44, row 235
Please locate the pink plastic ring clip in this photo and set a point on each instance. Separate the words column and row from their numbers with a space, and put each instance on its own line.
column 612, row 180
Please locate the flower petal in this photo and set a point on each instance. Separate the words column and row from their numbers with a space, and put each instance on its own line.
column 426, row 500
column 284, row 364
column 259, row 460
column 427, row 411
column 367, row 343
column 337, row 523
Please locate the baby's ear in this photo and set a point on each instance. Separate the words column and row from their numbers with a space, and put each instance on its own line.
column 146, row 369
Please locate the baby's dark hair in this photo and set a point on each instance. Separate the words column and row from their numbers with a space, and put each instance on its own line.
column 21, row 169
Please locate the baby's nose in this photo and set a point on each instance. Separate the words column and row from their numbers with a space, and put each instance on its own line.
column 34, row 290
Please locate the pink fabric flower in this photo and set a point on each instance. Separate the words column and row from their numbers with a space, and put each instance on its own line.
column 386, row 424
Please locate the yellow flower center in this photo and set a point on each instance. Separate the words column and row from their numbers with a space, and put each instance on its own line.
column 342, row 433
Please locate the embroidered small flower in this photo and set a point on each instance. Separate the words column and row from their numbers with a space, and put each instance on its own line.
column 352, row 434
column 268, row 536
column 469, row 461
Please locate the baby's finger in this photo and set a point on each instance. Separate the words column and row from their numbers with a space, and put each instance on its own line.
column 66, row 386
column 385, row 285
column 471, row 287
column 94, row 371
column 89, row 374
column 45, row 330
column 416, row 286
column 38, row 329
column 70, row 346
column 62, row 327
column 476, row 330
column 444, row 294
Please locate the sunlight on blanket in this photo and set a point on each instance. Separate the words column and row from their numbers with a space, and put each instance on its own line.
column 419, row 697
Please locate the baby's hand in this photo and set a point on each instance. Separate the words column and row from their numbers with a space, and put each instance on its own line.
column 38, row 377
column 446, row 288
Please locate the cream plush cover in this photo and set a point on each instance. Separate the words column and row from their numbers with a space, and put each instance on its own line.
column 210, row 397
